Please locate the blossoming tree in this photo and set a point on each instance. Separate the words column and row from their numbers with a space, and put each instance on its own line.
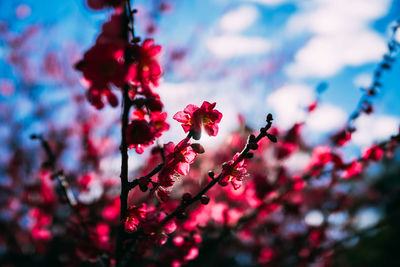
column 236, row 205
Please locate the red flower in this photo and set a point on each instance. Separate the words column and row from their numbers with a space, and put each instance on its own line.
column 233, row 174
column 195, row 118
column 139, row 134
column 95, row 97
column 374, row 153
column 100, row 4
column 322, row 156
column 150, row 101
column 151, row 226
column 181, row 155
column 312, row 106
column 145, row 68
column 341, row 137
column 103, row 64
column 290, row 143
column 112, row 30
column 158, row 123
column 177, row 161
column 135, row 215
column 352, row 169
column 112, row 61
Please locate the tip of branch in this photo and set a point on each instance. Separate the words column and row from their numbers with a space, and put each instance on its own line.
column 34, row 136
column 272, row 138
column 269, row 118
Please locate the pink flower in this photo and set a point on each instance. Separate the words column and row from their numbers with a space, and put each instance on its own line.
column 139, row 134
column 266, row 255
column 290, row 143
column 374, row 153
column 181, row 155
column 177, row 161
column 322, row 156
column 145, row 68
column 143, row 129
column 112, row 30
column 352, row 169
column 103, row 64
column 135, row 215
column 158, row 123
column 112, row 61
column 96, row 95
column 233, row 174
column 341, row 137
column 194, row 118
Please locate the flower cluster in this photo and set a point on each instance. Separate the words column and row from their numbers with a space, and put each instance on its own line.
column 195, row 119
column 143, row 129
column 233, row 174
column 267, row 197
column 177, row 158
column 148, row 219
column 114, row 62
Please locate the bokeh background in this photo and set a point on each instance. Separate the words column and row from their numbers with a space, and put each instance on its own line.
column 250, row 56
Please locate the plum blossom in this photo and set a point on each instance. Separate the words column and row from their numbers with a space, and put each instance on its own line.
column 233, row 174
column 177, row 161
column 145, row 69
column 194, row 118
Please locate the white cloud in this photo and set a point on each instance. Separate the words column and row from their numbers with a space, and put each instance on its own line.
column 297, row 162
column 324, row 56
column 326, row 118
column 341, row 36
column 324, row 17
column 230, row 46
column 363, row 80
column 270, row 2
column 289, row 103
column 367, row 217
column 94, row 192
column 374, row 128
column 239, row 19
column 314, row 218
column 397, row 36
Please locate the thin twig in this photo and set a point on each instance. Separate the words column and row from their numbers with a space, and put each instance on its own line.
column 184, row 204
column 124, row 174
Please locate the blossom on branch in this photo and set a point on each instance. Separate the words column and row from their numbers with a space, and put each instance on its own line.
column 143, row 129
column 135, row 215
column 102, row 66
column 177, row 161
column 139, row 134
column 233, row 174
column 113, row 61
column 374, row 153
column 145, row 69
column 194, row 119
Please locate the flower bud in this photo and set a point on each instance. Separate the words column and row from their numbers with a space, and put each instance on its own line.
column 269, row 117
column 186, row 196
column 249, row 155
column 198, row 148
column 204, row 199
column 253, row 146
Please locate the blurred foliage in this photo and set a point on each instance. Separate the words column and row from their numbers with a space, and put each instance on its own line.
column 380, row 246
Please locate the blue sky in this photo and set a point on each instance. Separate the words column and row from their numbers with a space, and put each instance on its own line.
column 250, row 56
